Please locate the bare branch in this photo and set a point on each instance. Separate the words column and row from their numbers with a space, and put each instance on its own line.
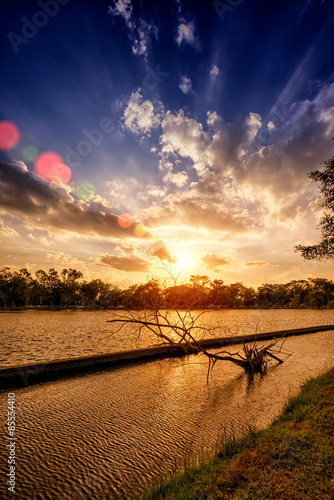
column 186, row 329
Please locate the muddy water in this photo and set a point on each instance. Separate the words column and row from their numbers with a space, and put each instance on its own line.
column 122, row 429
column 39, row 336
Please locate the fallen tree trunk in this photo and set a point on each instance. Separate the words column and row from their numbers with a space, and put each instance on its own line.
column 179, row 330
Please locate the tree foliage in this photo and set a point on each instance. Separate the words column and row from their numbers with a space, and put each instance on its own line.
column 69, row 289
column 325, row 248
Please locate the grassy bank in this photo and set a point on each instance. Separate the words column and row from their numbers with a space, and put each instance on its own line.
column 291, row 459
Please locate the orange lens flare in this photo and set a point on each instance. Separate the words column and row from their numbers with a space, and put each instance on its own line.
column 139, row 231
column 125, row 220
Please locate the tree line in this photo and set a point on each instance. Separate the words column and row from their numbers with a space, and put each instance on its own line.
column 70, row 289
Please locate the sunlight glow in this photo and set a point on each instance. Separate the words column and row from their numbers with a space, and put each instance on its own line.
column 184, row 262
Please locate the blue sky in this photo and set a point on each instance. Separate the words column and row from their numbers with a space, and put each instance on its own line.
column 199, row 120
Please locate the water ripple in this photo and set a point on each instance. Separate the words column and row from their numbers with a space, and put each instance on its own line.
column 122, row 429
column 41, row 336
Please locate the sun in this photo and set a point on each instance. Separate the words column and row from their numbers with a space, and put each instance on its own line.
column 184, row 261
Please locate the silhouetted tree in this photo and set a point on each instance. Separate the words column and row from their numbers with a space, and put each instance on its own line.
column 48, row 289
column 272, row 295
column 91, row 291
column 324, row 249
column 70, row 287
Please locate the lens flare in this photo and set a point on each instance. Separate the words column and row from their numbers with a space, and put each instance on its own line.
column 45, row 161
column 26, row 150
column 60, row 173
column 9, row 135
column 139, row 230
column 125, row 220
column 30, row 153
column 85, row 191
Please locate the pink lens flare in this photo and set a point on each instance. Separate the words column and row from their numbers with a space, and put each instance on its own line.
column 44, row 163
column 9, row 135
column 60, row 173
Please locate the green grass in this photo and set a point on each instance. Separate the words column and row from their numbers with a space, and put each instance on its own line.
column 293, row 458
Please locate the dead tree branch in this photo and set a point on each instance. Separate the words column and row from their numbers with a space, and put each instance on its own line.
column 186, row 329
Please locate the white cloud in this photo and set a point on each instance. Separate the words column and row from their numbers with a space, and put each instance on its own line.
column 60, row 258
column 7, row 231
column 213, row 262
column 179, row 179
column 213, row 119
column 242, row 183
column 254, row 123
column 186, row 34
column 140, row 116
column 140, row 43
column 185, row 84
column 184, row 136
column 327, row 116
column 214, row 70
column 41, row 239
column 124, row 9
column 139, row 31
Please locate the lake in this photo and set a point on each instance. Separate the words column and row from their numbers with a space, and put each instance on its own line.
column 123, row 428
column 38, row 336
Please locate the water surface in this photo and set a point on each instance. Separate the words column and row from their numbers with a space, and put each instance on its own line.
column 122, row 429
column 39, row 336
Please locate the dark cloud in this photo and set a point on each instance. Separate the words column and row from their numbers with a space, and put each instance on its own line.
column 294, row 146
column 127, row 263
column 48, row 206
column 161, row 251
column 213, row 262
column 197, row 214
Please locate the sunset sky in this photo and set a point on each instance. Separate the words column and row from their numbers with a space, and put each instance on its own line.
column 126, row 126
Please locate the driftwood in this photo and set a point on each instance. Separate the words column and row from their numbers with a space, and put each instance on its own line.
column 182, row 329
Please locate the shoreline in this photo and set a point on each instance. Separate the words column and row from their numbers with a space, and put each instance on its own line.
column 120, row 309
column 291, row 458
